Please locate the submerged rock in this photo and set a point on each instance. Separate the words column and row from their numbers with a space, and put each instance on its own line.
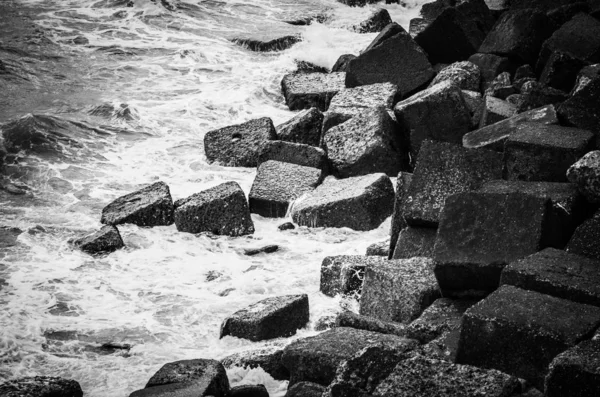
column 107, row 239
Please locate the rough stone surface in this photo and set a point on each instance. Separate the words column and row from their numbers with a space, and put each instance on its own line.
column 344, row 274
column 480, row 233
column 266, row 249
column 586, row 174
column 567, row 208
column 441, row 317
column 444, row 347
column 443, row 169
column 537, row 152
column 586, row 75
column 221, row 210
column 491, row 65
column 518, row 34
column 316, row 359
column 278, row 184
column 396, row 59
column 293, row 153
column 239, row 145
column 398, row 223
column 305, row 127
column 358, row 321
column 415, row 241
column 353, row 100
column 307, row 90
column 367, row 143
column 561, row 71
column 269, row 359
column 381, row 248
column 475, row 103
column 378, row 20
column 520, row 332
column 269, row 318
column 360, row 203
column 465, row 75
column 423, row 376
column 495, row 110
column 105, row 240
column 398, row 290
column 187, row 378
column 575, row 372
column 495, row 135
column 535, row 95
column 437, row 113
column 362, row 373
column 41, row 386
column 305, row 389
column 501, row 87
column 583, row 108
column 342, row 63
column 249, row 391
column 557, row 273
column 416, row 26
column 150, row 206
column 586, row 239
column 273, row 37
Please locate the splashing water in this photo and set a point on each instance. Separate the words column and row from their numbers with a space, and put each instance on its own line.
column 121, row 97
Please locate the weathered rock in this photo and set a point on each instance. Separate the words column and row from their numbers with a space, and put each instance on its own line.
column 239, row 145
column 305, row 389
column 520, row 332
column 561, row 71
column 324, row 323
column 537, row 152
column 367, row 143
column 567, row 208
column 278, row 184
column 491, row 65
column 398, row 290
column 397, row 60
column 381, row 248
column 519, row 34
column 416, row 26
column 305, row 127
column 415, row 241
column 360, row 203
column 268, row 359
column 586, row 174
column 495, row 135
column 579, row 37
column 437, row 113
column 535, row 95
column 495, row 110
column 316, row 359
column 582, row 109
column 475, row 103
column 575, row 372
column 269, row 318
column 432, row 10
column 501, row 87
column 40, row 386
column 358, row 321
column 353, row 100
column 307, row 90
column 249, row 391
column 389, row 31
column 441, row 317
column 465, row 75
column 443, row 169
column 586, row 239
column 398, row 223
column 362, row 373
column 378, row 20
column 293, row 153
column 480, row 233
column 221, row 210
column 199, row 377
column 341, row 64
column 309, row 67
column 423, row 376
column 586, row 75
column 267, row 249
column 344, row 274
column 443, row 347
column 273, row 37
column 150, row 206
column 557, row 273
column 107, row 239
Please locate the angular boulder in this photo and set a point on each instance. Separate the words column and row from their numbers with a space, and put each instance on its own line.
column 396, row 59
column 358, row 321
column 344, row 274
column 381, row 248
column 561, row 71
column 270, row 318
column 307, row 90
column 41, row 386
column 316, row 359
column 586, row 239
column 438, row 113
column 378, row 20
column 398, row 290
column 495, row 110
column 534, row 95
column 480, row 233
column 107, row 239
column 354, row 100
column 441, row 317
column 221, row 210
column 501, row 87
column 276, row 36
column 415, row 241
column 581, row 109
column 537, row 152
column 293, row 153
column 199, row 377
column 575, row 372
column 239, row 145
column 475, row 103
column 269, row 359
column 305, row 389
column 249, row 391
column 423, row 376
column 342, row 63
column 585, row 76
column 367, row 143
column 305, row 127
column 360, row 203
column 491, row 65
column 443, row 169
column 150, row 206
column 586, row 174
column 520, row 332
column 278, row 184
column 465, row 75
column 398, row 223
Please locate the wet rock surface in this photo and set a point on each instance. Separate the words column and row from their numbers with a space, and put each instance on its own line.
column 344, row 274
column 269, row 359
column 106, row 240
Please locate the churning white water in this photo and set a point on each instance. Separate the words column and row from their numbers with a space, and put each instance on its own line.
column 167, row 292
